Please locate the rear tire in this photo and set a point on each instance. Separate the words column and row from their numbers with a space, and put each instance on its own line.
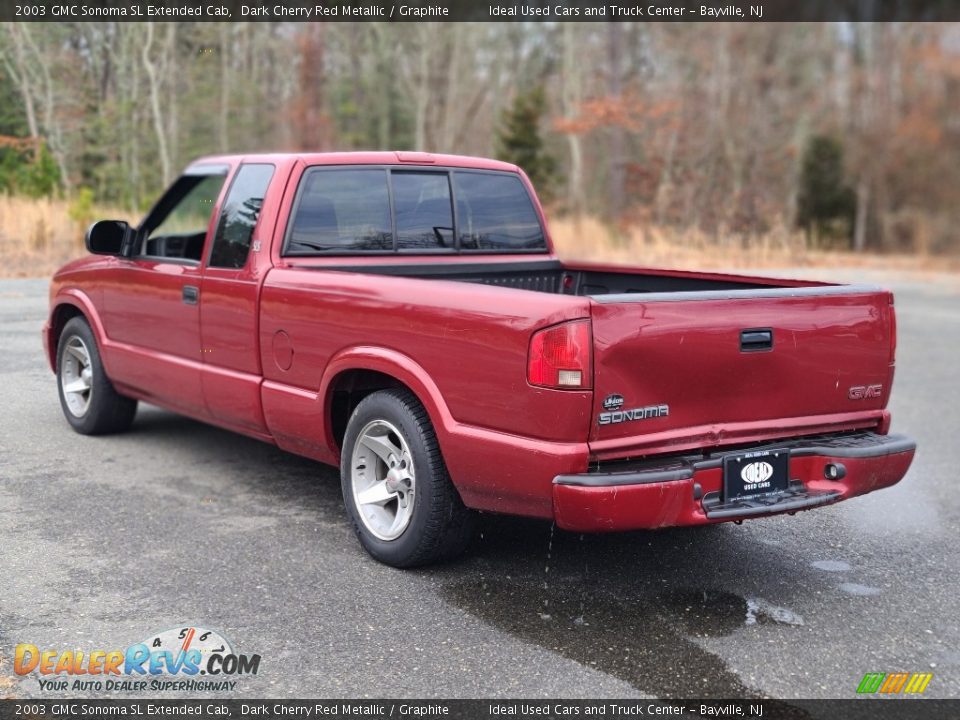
column 90, row 403
column 395, row 484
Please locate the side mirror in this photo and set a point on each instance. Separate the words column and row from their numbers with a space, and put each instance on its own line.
column 108, row 237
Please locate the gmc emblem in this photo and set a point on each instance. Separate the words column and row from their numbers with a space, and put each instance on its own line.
column 863, row 392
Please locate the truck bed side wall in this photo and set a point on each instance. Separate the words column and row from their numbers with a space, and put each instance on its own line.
column 467, row 341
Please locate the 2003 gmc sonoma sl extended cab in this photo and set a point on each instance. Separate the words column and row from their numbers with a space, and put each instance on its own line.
column 404, row 316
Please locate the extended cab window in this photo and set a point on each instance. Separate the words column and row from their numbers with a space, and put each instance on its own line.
column 341, row 210
column 494, row 212
column 421, row 201
column 231, row 245
column 177, row 226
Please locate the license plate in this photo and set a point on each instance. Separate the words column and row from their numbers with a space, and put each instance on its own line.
column 755, row 473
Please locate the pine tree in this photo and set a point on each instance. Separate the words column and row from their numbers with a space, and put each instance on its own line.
column 519, row 140
column 824, row 195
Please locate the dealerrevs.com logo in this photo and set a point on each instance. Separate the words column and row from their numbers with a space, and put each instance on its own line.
column 186, row 658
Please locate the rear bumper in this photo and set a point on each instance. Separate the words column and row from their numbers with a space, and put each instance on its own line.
column 688, row 490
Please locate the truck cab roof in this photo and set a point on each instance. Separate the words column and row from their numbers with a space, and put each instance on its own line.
column 398, row 157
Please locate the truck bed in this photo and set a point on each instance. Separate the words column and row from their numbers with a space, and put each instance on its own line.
column 578, row 279
column 698, row 360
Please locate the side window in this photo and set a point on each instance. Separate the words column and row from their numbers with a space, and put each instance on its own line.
column 421, row 201
column 178, row 225
column 341, row 210
column 495, row 212
column 241, row 209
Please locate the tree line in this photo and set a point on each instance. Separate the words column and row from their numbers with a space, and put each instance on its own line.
column 849, row 131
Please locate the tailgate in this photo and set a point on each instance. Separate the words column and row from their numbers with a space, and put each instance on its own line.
column 674, row 371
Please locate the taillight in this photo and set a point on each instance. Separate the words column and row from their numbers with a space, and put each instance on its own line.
column 559, row 356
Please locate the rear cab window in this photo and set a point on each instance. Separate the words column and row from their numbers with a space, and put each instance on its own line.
column 494, row 212
column 382, row 210
column 341, row 210
column 423, row 210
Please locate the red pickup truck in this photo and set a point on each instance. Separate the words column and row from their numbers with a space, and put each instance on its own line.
column 404, row 316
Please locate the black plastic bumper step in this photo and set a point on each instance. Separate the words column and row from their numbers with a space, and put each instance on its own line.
column 786, row 501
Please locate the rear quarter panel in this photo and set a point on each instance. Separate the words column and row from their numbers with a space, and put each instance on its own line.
column 470, row 340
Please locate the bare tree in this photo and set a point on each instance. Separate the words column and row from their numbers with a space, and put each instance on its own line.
column 615, row 145
column 159, row 126
column 571, row 100
column 22, row 74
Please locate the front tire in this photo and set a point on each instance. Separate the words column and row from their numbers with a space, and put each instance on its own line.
column 395, row 484
column 90, row 403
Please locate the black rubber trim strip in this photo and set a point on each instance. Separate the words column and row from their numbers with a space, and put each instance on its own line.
column 452, row 268
column 625, row 478
column 871, row 445
column 776, row 292
column 787, row 504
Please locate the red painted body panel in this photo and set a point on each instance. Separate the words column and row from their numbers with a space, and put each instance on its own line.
column 162, row 327
column 266, row 345
column 687, row 354
column 725, row 434
column 231, row 374
column 470, row 340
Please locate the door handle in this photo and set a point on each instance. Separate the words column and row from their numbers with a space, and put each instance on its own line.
column 191, row 294
column 756, row 340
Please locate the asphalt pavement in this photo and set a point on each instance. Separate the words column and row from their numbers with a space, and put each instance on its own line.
column 106, row 541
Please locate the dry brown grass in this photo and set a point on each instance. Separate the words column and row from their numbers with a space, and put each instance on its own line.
column 37, row 236
column 589, row 239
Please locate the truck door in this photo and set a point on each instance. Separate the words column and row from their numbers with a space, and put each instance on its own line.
column 151, row 300
column 228, row 302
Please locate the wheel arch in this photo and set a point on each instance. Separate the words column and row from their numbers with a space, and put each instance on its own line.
column 357, row 372
column 66, row 306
